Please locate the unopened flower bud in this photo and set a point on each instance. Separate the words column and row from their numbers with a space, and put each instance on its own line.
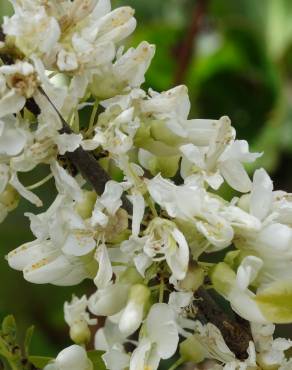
column 9, row 198
column 132, row 316
column 80, row 333
column 192, row 350
column 73, row 358
column 244, row 202
column 131, row 276
column 85, row 207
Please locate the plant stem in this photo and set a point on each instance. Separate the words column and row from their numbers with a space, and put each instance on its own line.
column 92, row 119
column 161, row 290
column 40, row 183
column 179, row 362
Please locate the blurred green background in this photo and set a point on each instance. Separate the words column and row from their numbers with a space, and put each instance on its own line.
column 236, row 59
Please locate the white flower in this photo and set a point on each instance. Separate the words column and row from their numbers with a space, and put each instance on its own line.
column 272, row 242
column 62, row 237
column 115, row 131
column 110, row 300
column 110, row 340
column 221, row 159
column 127, row 71
column 191, row 202
column 160, row 340
column 33, row 29
column 71, row 358
column 165, row 241
column 107, row 204
column 78, row 319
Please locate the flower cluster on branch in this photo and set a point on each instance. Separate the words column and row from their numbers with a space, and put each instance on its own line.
column 138, row 206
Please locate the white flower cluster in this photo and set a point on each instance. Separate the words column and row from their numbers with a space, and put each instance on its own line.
column 146, row 265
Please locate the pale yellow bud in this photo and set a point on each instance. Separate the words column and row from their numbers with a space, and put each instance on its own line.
column 9, row 198
column 80, row 333
column 85, row 207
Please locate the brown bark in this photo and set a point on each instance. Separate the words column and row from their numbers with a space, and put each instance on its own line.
column 237, row 335
column 185, row 51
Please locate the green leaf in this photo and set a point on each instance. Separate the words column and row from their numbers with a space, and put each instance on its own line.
column 40, row 361
column 27, row 340
column 9, row 329
column 95, row 357
column 275, row 302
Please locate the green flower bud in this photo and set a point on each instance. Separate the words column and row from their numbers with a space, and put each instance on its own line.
column 85, row 207
column 9, row 198
column 192, row 350
column 131, row 276
column 139, row 294
column 80, row 333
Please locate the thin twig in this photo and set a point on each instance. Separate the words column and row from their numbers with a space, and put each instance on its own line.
column 186, row 49
column 237, row 335
column 85, row 162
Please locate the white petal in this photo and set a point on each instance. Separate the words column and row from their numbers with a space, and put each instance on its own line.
column 11, row 103
column 131, row 318
column 139, row 356
column 12, row 138
column 179, row 261
column 248, row 271
column 109, row 301
column 261, row 194
column 4, row 177
column 78, row 243
column 73, row 358
column 111, row 197
column 105, row 271
column 47, row 270
column 138, row 212
column 115, row 359
column 68, row 142
column 31, row 197
column 243, row 304
column 30, row 253
column 65, row 183
column 142, row 262
column 276, row 237
column 235, row 175
column 239, row 150
column 162, row 329
column 194, row 154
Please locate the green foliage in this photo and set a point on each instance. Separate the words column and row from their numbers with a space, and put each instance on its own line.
column 11, row 353
column 95, row 357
